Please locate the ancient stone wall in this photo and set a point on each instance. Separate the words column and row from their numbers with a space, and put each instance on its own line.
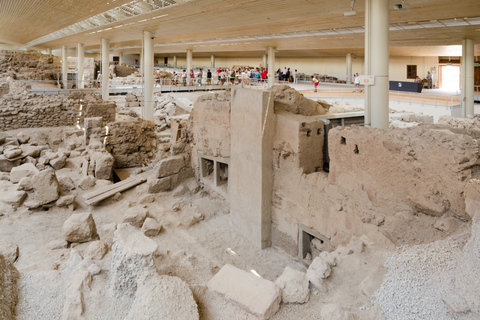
column 210, row 127
column 131, row 143
column 22, row 109
column 29, row 65
column 395, row 186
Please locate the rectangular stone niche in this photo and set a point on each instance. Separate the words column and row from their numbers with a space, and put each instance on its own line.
column 305, row 246
column 214, row 173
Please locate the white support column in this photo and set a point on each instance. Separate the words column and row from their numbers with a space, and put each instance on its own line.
column 212, row 61
column 120, row 58
column 174, row 62
column 148, row 75
column 105, row 68
column 80, row 65
column 271, row 66
column 376, row 47
column 468, row 70
column 64, row 66
column 349, row 68
column 141, row 62
column 189, row 60
column 49, row 50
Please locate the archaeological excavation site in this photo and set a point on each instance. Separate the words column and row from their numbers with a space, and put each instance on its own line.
column 152, row 168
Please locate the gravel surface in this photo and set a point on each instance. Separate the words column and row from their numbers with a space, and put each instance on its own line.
column 418, row 278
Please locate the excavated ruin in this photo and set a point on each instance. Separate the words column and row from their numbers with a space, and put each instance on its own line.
column 230, row 207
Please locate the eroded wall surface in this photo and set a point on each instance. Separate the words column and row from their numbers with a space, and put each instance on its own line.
column 131, row 143
column 22, row 109
column 397, row 186
column 209, row 126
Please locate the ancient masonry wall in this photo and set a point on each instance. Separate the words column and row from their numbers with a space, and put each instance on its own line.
column 23, row 109
column 132, row 143
column 210, row 126
column 397, row 186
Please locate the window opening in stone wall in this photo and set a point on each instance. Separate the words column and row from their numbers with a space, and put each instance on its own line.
column 310, row 244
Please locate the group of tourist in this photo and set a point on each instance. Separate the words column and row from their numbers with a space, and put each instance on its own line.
column 239, row 75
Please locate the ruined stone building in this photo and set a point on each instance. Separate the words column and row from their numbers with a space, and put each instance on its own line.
column 247, row 159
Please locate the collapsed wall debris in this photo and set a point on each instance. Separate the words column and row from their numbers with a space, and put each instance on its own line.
column 22, row 109
column 8, row 289
column 19, row 65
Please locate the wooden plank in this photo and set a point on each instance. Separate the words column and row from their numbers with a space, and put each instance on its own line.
column 109, row 187
column 111, row 192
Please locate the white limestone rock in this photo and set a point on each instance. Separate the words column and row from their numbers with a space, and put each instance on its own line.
column 65, row 201
column 294, row 285
column 87, row 183
column 9, row 251
column 318, row 271
column 135, row 216
column 151, row 227
column 80, row 227
column 46, row 186
column 24, row 170
column 78, row 283
column 66, row 183
column 163, row 297
column 133, row 257
column 107, row 232
column 58, row 162
column 170, row 166
column 96, row 250
column 256, row 295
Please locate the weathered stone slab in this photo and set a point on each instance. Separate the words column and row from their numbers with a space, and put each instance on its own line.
column 170, row 166
column 258, row 296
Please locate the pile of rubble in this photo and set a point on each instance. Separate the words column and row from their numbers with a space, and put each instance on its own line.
column 20, row 65
column 22, row 109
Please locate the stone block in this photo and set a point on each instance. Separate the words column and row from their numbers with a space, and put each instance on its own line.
column 294, row 285
column 156, row 185
column 9, row 251
column 256, row 295
column 24, row 170
column 46, row 186
column 96, row 250
column 80, row 227
column 103, row 164
column 163, row 297
column 107, row 231
column 133, row 257
column 170, row 166
column 135, row 216
column 58, row 162
column 7, row 165
column 151, row 227
column 317, row 272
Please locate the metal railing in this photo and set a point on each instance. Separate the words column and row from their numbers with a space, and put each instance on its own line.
column 423, row 99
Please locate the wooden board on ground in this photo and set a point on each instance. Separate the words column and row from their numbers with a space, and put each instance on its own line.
column 95, row 197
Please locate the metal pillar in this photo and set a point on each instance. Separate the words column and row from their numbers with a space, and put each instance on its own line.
column 349, row 68
column 148, row 75
column 468, row 70
column 189, row 60
column 120, row 58
column 80, row 64
column 271, row 66
column 174, row 62
column 64, row 66
column 212, row 61
column 264, row 64
column 49, row 50
column 105, row 68
column 141, row 62
column 376, row 50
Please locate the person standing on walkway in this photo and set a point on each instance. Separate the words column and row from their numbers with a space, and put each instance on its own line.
column 356, row 83
column 315, row 82
column 209, row 77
